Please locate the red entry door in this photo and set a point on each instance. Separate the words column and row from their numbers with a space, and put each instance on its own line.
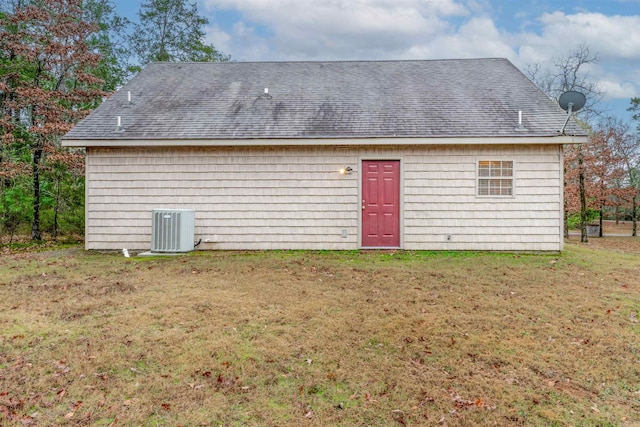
column 381, row 203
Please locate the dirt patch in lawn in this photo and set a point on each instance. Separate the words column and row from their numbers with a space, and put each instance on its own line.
column 617, row 227
column 625, row 244
column 322, row 338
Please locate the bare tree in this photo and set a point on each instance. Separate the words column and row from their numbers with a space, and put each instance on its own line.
column 633, row 162
column 626, row 146
column 607, row 165
column 571, row 72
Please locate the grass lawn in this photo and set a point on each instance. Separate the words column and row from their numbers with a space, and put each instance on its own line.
column 322, row 338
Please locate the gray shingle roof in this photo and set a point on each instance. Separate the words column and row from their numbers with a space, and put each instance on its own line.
column 433, row 98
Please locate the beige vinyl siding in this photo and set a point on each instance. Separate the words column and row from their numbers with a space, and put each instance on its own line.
column 443, row 211
column 245, row 198
column 294, row 197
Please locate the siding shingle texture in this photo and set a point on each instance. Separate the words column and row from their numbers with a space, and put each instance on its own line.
column 357, row 99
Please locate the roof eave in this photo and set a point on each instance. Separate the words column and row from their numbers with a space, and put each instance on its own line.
column 257, row 142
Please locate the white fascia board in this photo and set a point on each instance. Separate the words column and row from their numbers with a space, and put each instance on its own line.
column 536, row 140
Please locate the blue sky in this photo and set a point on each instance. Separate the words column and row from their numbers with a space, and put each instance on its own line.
column 535, row 31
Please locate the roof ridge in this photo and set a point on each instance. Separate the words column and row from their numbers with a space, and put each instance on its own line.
column 337, row 61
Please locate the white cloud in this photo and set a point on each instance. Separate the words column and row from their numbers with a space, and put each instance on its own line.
column 479, row 37
column 616, row 89
column 340, row 29
column 615, row 40
column 612, row 36
column 219, row 38
column 428, row 29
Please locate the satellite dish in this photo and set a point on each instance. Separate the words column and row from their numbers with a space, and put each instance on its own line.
column 572, row 101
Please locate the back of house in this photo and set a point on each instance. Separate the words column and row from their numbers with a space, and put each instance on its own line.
column 417, row 155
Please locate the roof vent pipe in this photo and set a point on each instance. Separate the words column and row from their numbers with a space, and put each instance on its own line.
column 520, row 127
column 266, row 90
column 129, row 96
column 119, row 124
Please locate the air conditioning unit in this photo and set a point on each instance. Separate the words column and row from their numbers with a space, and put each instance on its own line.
column 172, row 230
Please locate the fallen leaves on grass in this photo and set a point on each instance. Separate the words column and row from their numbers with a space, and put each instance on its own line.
column 235, row 346
column 61, row 368
column 73, row 408
column 27, row 420
column 222, row 382
column 461, row 403
column 9, row 406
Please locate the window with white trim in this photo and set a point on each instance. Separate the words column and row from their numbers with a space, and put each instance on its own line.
column 495, row 178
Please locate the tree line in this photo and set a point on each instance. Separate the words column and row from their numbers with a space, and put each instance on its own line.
column 59, row 59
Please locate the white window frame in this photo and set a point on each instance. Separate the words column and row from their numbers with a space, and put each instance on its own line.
column 496, row 174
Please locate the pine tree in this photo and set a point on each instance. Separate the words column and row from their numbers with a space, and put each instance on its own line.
column 172, row 31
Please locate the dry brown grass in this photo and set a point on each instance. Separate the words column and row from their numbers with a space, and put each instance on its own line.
column 617, row 227
column 315, row 339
